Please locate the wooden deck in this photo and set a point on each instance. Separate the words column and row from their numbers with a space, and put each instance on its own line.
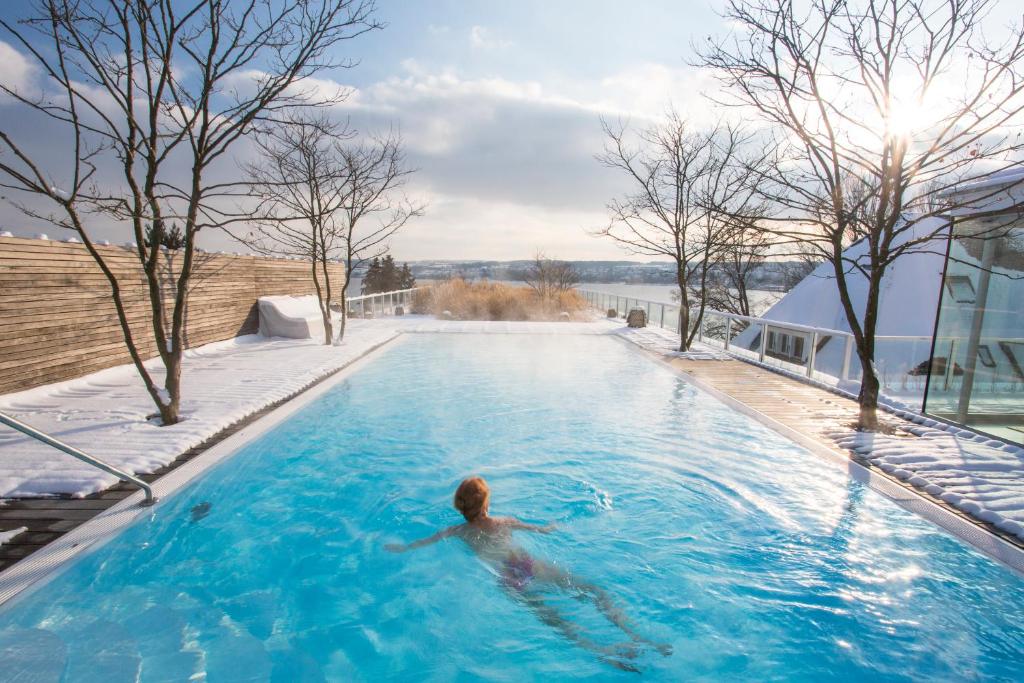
column 810, row 411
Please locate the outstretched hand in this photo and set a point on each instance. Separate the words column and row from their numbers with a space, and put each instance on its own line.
column 395, row 547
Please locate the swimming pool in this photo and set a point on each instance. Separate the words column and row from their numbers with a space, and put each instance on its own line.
column 748, row 554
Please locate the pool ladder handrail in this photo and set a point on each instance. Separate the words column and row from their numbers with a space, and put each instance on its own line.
column 28, row 430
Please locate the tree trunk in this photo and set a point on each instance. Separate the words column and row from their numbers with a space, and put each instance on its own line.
column 867, row 420
column 171, row 402
column 690, row 336
column 325, row 312
column 684, row 311
column 325, row 306
column 869, row 384
column 329, row 324
column 344, row 312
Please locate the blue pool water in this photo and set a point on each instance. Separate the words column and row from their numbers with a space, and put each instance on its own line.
column 751, row 557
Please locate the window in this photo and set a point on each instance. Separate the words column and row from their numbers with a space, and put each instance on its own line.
column 961, row 289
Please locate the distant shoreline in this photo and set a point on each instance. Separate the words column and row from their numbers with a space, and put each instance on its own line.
column 761, row 299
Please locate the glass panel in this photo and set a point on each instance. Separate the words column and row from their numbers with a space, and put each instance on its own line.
column 714, row 329
column 785, row 348
column 902, row 365
column 975, row 372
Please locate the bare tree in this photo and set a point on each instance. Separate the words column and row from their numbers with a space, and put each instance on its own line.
column 794, row 268
column 550, row 277
column 153, row 93
column 878, row 106
column 687, row 189
column 302, row 183
column 739, row 260
column 371, row 214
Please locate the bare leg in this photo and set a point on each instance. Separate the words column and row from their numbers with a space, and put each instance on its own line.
column 551, row 616
column 602, row 601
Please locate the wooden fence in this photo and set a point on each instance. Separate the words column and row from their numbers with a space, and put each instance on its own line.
column 57, row 317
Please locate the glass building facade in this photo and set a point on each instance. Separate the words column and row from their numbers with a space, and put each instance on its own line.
column 976, row 375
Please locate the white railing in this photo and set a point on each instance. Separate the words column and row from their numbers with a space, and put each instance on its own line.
column 384, row 303
column 820, row 353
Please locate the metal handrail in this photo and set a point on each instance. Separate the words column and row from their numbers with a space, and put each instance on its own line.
column 28, row 430
column 720, row 326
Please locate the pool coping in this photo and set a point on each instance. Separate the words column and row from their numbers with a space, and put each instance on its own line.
column 963, row 529
column 46, row 564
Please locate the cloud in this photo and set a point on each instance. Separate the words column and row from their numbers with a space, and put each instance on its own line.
column 481, row 37
column 18, row 73
column 648, row 89
column 468, row 227
column 492, row 138
column 507, row 165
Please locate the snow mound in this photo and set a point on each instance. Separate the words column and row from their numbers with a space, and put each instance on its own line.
column 292, row 317
column 977, row 475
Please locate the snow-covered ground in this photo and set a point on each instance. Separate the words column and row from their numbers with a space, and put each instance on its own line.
column 105, row 413
column 980, row 476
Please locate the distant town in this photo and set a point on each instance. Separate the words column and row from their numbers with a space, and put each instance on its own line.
column 775, row 275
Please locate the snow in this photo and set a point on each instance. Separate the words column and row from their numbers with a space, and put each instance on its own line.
column 294, row 306
column 6, row 536
column 981, row 477
column 1001, row 190
column 666, row 343
column 297, row 317
column 105, row 413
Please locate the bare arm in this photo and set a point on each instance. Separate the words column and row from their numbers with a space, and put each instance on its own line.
column 514, row 523
column 429, row 540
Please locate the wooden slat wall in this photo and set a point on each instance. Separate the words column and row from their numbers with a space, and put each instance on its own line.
column 57, row 317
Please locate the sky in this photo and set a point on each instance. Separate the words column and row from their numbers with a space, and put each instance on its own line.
column 499, row 105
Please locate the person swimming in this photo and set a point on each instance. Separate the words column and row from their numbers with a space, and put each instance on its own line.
column 526, row 577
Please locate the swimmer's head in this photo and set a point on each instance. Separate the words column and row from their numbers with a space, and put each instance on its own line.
column 472, row 498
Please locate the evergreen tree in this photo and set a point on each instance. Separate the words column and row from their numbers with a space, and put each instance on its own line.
column 388, row 274
column 384, row 275
column 372, row 279
column 157, row 234
column 406, row 279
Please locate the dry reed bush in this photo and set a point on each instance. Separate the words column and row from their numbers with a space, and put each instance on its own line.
column 493, row 301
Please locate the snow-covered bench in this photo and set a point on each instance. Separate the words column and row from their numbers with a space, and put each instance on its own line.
column 296, row 317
